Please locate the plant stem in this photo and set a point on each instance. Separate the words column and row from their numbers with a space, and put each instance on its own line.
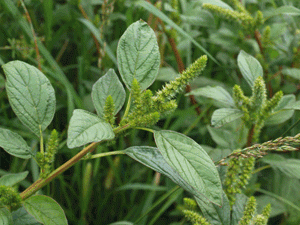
column 42, row 182
column 106, row 154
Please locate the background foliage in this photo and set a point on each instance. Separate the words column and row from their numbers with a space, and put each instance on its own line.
column 77, row 44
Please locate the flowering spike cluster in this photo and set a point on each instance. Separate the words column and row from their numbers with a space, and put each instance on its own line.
column 148, row 108
column 109, row 109
column 266, row 211
column 10, row 198
column 45, row 160
column 190, row 203
column 172, row 88
column 240, row 15
column 238, row 174
column 249, row 212
column 256, row 108
column 195, row 217
column 266, row 37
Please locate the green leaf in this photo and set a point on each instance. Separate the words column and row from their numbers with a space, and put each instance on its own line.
column 217, row 93
column 290, row 167
column 292, row 72
column 30, row 94
column 238, row 208
column 192, row 163
column 86, row 127
column 237, row 133
column 152, row 9
column 249, row 67
column 5, row 217
column 107, row 85
column 152, row 158
column 286, row 9
column 214, row 214
column 12, row 179
column 225, row 115
column 45, row 210
column 95, row 31
column 122, row 223
column 14, row 144
column 22, row 217
column 138, row 55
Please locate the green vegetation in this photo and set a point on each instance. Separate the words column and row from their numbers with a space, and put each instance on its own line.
column 149, row 112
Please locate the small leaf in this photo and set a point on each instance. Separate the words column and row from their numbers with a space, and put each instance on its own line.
column 30, row 95
column 14, row 144
column 214, row 214
column 249, row 67
column 225, row 115
column 217, row 93
column 22, row 217
column 107, row 85
column 45, row 210
column 152, row 158
column 220, row 135
column 290, row 167
column 192, row 163
column 138, row 55
column 86, row 127
column 5, row 217
column 12, row 179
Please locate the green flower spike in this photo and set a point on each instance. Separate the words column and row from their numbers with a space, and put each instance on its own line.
column 195, row 218
column 9, row 197
column 190, row 203
column 171, row 89
column 259, row 95
column 249, row 212
column 109, row 109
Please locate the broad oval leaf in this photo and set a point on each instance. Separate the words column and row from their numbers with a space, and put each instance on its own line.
column 109, row 84
column 249, row 67
column 14, row 144
column 45, row 210
column 86, row 127
column 225, row 115
column 217, row 93
column 22, row 217
column 192, row 163
column 152, row 158
column 30, row 94
column 138, row 55
column 214, row 214
column 12, row 179
column 5, row 217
